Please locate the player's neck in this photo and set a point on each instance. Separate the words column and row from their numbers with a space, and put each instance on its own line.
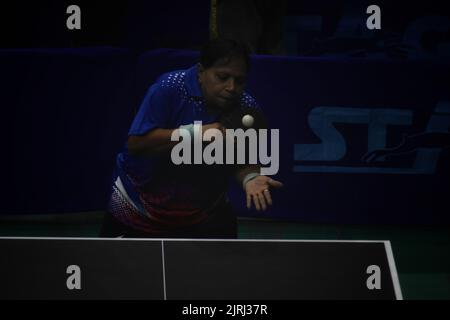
column 213, row 110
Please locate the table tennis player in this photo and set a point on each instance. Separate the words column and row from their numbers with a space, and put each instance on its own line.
column 151, row 196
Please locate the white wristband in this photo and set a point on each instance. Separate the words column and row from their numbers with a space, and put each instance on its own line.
column 248, row 177
column 189, row 127
column 193, row 128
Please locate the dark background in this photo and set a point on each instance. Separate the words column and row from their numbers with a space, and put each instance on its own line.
column 314, row 28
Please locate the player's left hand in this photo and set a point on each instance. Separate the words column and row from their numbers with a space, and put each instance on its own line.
column 258, row 192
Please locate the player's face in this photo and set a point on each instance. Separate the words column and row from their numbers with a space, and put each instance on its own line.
column 223, row 83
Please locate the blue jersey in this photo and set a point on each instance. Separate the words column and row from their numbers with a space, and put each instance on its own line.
column 151, row 193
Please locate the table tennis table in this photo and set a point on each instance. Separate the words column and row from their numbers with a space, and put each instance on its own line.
column 196, row 269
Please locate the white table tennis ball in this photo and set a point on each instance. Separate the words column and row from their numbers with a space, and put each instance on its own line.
column 247, row 120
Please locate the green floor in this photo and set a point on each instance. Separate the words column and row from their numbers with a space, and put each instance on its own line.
column 422, row 254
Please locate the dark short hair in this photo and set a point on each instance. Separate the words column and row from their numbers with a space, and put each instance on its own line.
column 221, row 49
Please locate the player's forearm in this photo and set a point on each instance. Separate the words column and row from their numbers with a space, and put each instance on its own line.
column 159, row 141
column 155, row 142
column 244, row 170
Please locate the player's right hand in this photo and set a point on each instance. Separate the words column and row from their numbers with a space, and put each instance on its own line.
column 214, row 125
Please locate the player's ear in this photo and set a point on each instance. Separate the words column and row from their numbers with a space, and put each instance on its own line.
column 201, row 70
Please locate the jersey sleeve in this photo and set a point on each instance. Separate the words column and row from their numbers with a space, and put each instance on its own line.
column 154, row 111
column 248, row 101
